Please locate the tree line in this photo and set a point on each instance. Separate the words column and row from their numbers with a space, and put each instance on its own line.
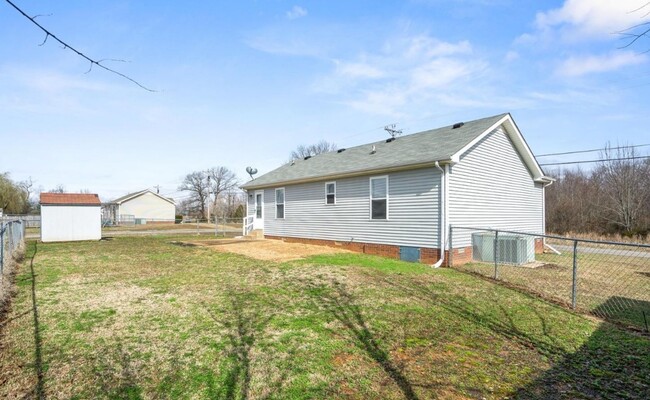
column 613, row 197
column 215, row 189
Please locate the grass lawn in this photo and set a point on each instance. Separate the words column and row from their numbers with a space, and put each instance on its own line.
column 140, row 317
column 614, row 286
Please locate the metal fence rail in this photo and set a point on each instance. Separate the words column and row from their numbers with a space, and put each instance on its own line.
column 610, row 280
column 31, row 221
column 12, row 235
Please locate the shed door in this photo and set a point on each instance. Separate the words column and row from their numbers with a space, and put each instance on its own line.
column 258, row 222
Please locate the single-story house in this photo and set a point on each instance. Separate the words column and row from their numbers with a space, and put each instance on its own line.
column 139, row 207
column 400, row 196
column 70, row 216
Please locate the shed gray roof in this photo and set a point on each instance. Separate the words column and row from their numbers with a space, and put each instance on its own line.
column 409, row 150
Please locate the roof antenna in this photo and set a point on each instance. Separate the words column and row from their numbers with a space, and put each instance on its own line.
column 251, row 171
column 392, row 131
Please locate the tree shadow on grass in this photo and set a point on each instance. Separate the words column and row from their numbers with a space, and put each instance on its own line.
column 612, row 364
column 116, row 376
column 39, row 390
column 501, row 323
column 340, row 304
column 245, row 322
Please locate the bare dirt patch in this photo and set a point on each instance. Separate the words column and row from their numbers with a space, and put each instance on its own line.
column 267, row 250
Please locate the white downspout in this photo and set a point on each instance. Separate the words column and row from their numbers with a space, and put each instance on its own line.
column 443, row 222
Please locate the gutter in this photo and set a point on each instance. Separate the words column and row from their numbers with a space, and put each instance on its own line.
column 443, row 213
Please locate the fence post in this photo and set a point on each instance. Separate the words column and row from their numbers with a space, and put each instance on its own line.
column 451, row 247
column 496, row 252
column 2, row 247
column 574, row 288
column 216, row 225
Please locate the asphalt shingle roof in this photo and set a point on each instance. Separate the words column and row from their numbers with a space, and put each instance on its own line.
column 418, row 148
column 133, row 195
column 82, row 199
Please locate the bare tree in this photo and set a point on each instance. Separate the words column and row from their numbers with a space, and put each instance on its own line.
column 221, row 180
column 230, row 202
column 613, row 197
column 303, row 151
column 624, row 185
column 66, row 46
column 639, row 31
column 196, row 184
column 58, row 189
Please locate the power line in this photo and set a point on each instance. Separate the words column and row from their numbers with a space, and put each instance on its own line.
column 595, row 161
column 591, row 151
column 49, row 34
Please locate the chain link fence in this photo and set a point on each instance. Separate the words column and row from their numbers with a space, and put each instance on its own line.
column 12, row 246
column 610, row 280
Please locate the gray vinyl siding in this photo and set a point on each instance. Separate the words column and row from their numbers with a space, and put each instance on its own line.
column 413, row 211
column 250, row 203
column 491, row 187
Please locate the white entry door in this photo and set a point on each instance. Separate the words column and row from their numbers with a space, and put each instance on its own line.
column 258, row 221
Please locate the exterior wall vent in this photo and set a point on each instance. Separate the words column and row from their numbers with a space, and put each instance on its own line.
column 411, row 254
column 458, row 125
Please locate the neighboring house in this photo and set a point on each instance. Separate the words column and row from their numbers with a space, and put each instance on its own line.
column 70, row 216
column 398, row 197
column 142, row 207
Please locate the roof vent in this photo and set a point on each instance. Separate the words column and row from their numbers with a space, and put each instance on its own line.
column 307, row 158
column 458, row 125
column 340, row 150
column 390, row 140
column 374, row 150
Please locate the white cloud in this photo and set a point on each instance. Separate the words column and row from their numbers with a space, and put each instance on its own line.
column 511, row 56
column 51, row 81
column 587, row 19
column 406, row 70
column 360, row 70
column 577, row 66
column 296, row 12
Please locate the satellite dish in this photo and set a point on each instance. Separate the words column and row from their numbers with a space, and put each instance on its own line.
column 251, row 171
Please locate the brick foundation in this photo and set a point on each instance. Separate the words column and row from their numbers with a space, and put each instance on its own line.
column 427, row 255
column 539, row 246
column 461, row 255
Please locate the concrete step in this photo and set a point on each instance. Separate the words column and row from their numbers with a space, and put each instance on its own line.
column 255, row 235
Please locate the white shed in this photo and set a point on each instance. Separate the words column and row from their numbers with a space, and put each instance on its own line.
column 70, row 216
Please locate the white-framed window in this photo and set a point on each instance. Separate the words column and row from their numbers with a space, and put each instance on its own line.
column 379, row 197
column 330, row 193
column 279, row 203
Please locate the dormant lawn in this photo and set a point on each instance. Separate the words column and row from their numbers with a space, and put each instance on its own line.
column 142, row 317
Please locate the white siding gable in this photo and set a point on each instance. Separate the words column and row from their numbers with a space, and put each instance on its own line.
column 491, row 187
column 148, row 206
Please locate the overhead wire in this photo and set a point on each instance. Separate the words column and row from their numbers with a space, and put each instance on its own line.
column 596, row 161
column 591, row 151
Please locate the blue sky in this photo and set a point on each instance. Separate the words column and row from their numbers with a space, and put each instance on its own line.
column 243, row 83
